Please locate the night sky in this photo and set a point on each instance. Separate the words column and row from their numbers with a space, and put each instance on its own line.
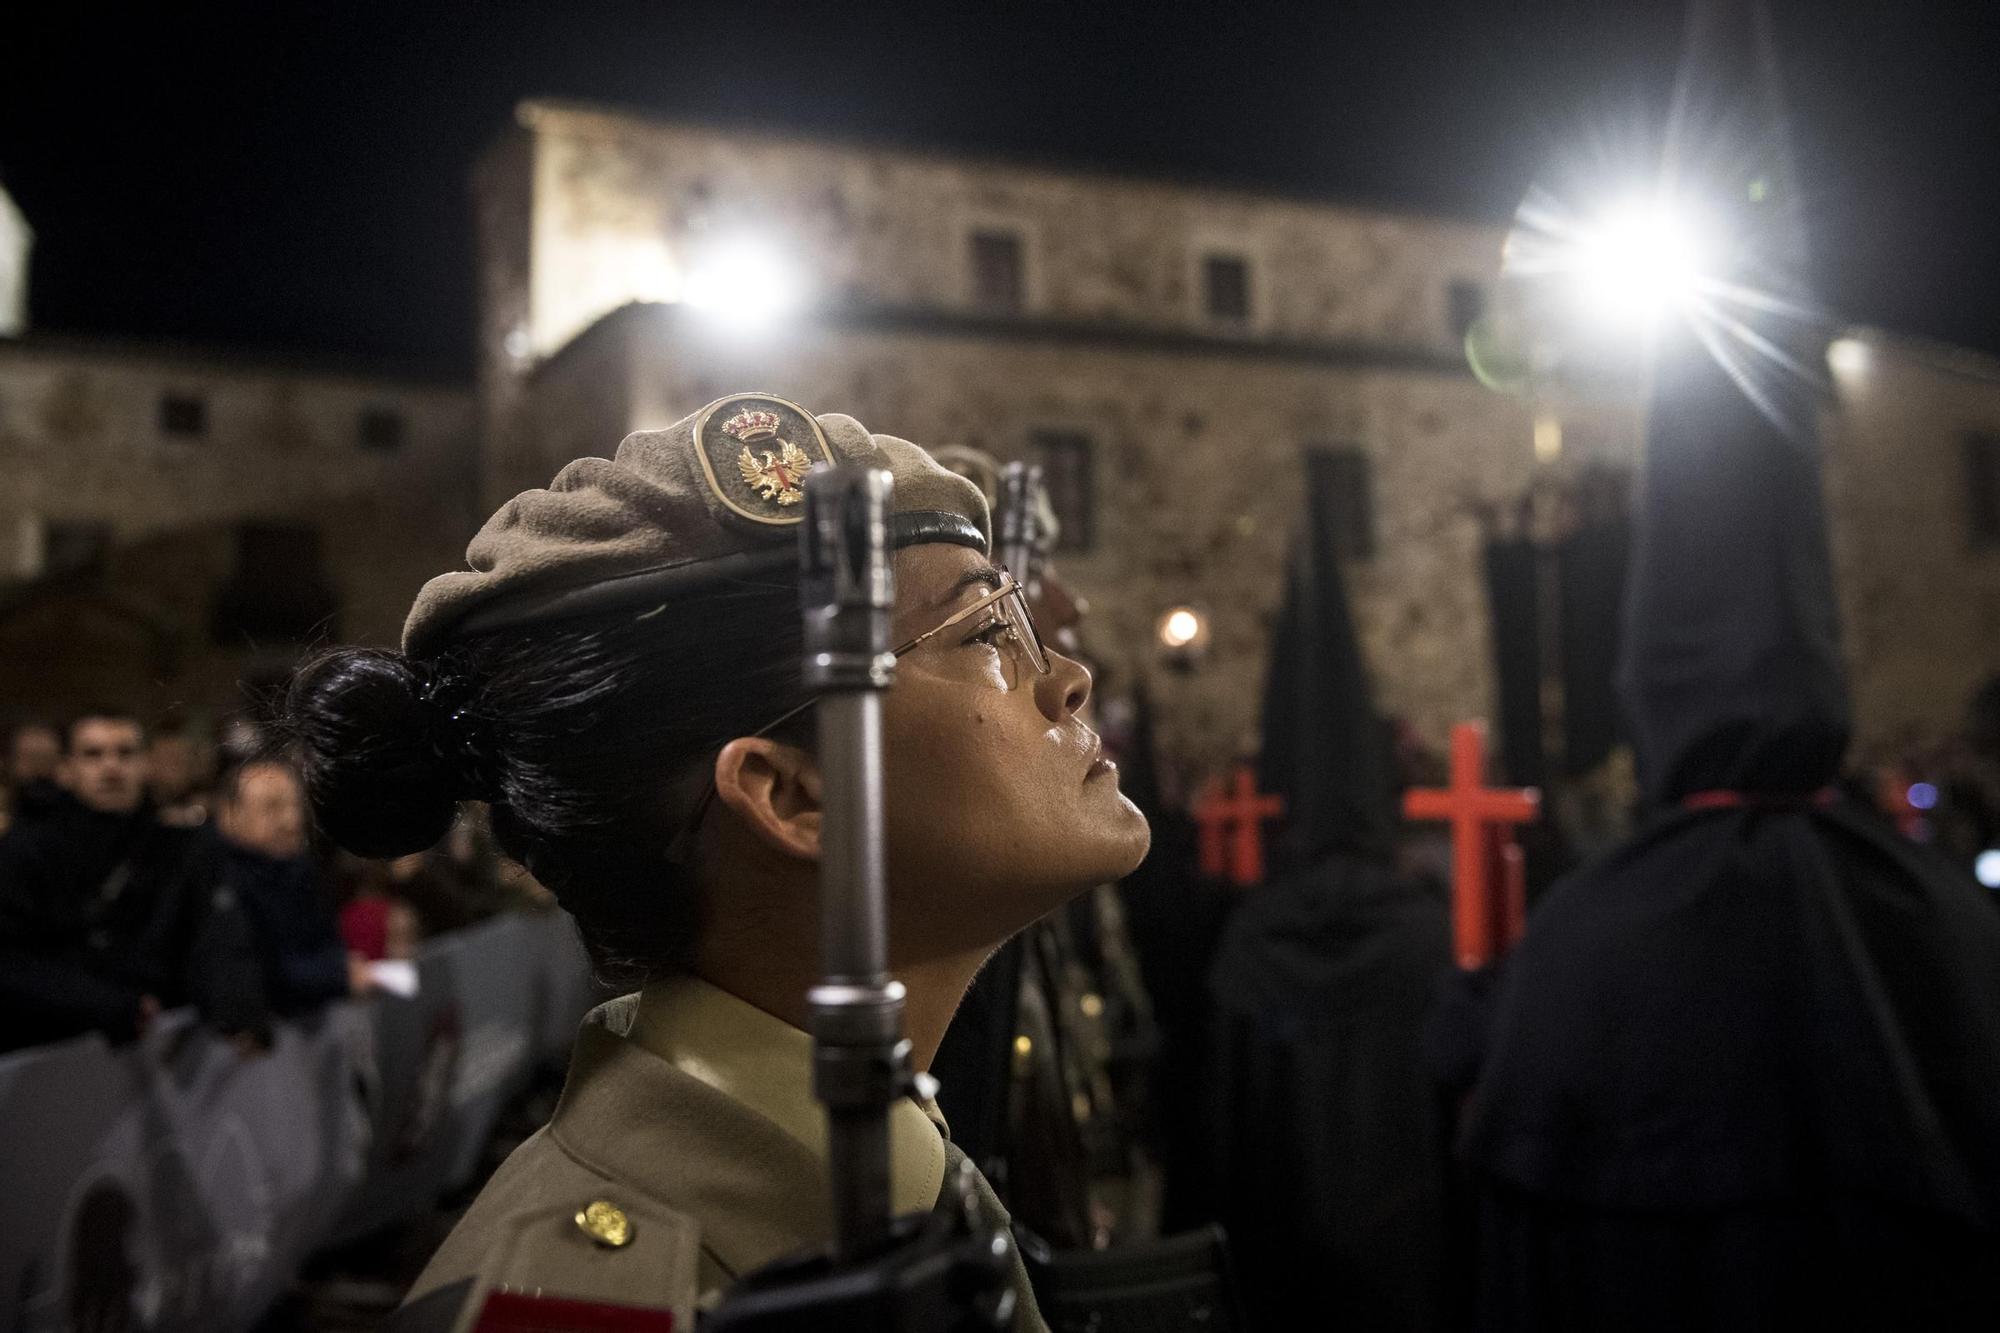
column 292, row 177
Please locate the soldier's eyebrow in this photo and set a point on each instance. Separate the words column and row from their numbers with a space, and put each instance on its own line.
column 981, row 575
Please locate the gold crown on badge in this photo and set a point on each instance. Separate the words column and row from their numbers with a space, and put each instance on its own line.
column 751, row 425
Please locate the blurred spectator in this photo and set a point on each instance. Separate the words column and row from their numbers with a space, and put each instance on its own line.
column 376, row 926
column 260, row 815
column 108, row 916
column 177, row 779
column 34, row 756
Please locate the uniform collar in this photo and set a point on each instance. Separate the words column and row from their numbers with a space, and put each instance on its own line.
column 766, row 1064
column 754, row 1191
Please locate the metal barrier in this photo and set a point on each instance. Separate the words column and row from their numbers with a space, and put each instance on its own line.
column 185, row 1183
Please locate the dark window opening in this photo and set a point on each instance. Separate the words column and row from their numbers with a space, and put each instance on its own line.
column 1069, row 471
column 1225, row 281
column 183, row 414
column 1343, row 482
column 75, row 548
column 278, row 592
column 1982, row 489
column 999, row 271
column 1465, row 302
column 381, row 428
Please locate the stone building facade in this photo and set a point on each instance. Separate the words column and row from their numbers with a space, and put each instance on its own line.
column 173, row 523
column 1913, row 493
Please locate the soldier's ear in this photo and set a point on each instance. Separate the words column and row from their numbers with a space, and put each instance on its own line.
column 774, row 790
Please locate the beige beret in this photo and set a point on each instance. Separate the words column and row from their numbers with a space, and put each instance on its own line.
column 715, row 495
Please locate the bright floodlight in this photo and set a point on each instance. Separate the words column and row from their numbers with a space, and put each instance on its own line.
column 746, row 281
column 1639, row 259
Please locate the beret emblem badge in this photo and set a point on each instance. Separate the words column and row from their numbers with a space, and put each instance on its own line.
column 755, row 451
column 774, row 474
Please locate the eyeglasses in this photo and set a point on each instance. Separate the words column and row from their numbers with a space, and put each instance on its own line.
column 1008, row 602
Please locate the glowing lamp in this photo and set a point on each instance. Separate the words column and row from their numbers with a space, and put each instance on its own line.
column 1183, row 628
column 1847, row 356
column 1922, row 796
column 1987, row 868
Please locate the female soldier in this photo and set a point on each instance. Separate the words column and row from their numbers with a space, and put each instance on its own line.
column 617, row 674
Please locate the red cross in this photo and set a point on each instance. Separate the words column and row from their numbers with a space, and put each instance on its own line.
column 1486, row 875
column 1242, row 860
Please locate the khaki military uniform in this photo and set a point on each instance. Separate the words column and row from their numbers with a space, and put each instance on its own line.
column 687, row 1151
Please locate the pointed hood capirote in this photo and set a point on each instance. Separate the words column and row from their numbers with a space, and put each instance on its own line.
column 1324, row 747
column 713, row 496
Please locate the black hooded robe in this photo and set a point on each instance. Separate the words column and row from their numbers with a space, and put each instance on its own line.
column 1744, row 1073
column 1324, row 1153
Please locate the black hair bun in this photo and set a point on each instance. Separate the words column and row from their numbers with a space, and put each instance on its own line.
column 364, row 729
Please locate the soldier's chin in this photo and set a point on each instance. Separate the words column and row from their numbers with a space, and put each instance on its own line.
column 1118, row 841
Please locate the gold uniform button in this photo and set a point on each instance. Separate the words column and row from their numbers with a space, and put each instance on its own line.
column 606, row 1224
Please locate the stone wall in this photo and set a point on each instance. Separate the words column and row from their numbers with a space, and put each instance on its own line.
column 1920, row 596
column 82, row 438
column 85, row 443
column 626, row 210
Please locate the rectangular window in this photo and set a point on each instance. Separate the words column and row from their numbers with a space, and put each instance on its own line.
column 1465, row 303
column 381, row 428
column 1982, row 489
column 999, row 271
column 1343, row 481
column 183, row 414
column 1069, row 471
column 75, row 548
column 1225, row 285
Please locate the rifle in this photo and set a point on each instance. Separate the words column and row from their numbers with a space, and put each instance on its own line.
column 947, row 1270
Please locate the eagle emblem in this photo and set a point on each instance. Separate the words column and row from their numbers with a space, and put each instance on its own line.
column 776, row 475
column 755, row 452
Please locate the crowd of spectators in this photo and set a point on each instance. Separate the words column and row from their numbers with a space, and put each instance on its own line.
column 144, row 872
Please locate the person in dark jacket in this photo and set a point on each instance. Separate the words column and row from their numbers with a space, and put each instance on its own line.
column 107, row 916
column 34, row 754
column 261, row 819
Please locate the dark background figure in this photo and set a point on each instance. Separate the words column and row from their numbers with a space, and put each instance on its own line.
column 1327, row 1163
column 260, row 821
column 178, row 777
column 108, row 916
column 1742, row 1073
column 34, row 756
